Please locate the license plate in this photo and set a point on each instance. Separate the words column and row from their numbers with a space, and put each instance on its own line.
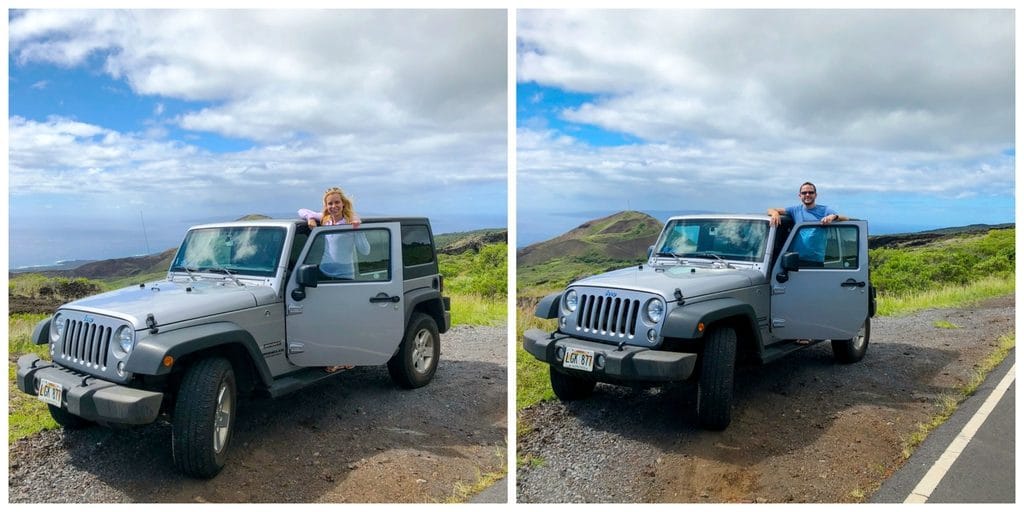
column 50, row 392
column 579, row 359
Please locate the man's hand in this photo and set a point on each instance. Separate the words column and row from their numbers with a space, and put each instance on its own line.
column 829, row 218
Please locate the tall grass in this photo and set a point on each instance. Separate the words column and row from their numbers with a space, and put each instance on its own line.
column 947, row 296
column 26, row 415
column 475, row 309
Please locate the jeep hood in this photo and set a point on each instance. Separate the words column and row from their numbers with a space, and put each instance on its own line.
column 171, row 302
column 693, row 281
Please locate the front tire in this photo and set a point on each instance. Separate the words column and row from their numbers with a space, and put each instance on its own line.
column 715, row 384
column 67, row 420
column 853, row 350
column 568, row 388
column 416, row 361
column 204, row 418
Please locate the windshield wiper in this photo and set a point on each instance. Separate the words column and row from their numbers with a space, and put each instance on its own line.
column 226, row 272
column 187, row 270
column 706, row 255
column 667, row 254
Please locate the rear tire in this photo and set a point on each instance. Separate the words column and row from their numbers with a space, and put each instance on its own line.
column 204, row 418
column 853, row 350
column 568, row 388
column 67, row 420
column 416, row 361
column 715, row 384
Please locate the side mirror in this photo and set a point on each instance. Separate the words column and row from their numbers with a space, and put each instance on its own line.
column 650, row 251
column 308, row 275
column 791, row 261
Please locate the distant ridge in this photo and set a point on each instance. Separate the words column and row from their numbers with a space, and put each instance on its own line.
column 925, row 237
column 621, row 236
column 458, row 243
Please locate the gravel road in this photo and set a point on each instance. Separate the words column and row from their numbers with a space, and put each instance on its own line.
column 355, row 438
column 804, row 429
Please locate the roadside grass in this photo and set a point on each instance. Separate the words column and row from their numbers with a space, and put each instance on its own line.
column 475, row 309
column 946, row 296
column 948, row 403
column 945, row 324
column 463, row 491
column 25, row 415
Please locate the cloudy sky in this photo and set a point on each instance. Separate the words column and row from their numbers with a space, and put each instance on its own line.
column 904, row 118
column 125, row 127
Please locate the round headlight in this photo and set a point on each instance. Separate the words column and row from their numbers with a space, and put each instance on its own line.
column 57, row 327
column 655, row 310
column 125, row 336
column 571, row 300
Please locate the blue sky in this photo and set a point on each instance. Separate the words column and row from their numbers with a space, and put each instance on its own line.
column 904, row 118
column 126, row 127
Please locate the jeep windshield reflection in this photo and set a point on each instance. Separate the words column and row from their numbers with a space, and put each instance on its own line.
column 715, row 239
column 253, row 251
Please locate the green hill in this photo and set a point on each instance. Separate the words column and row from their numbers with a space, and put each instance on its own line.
column 594, row 246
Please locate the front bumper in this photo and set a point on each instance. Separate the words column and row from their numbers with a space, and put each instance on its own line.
column 89, row 397
column 630, row 363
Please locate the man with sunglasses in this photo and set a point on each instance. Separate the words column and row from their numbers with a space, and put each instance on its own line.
column 807, row 210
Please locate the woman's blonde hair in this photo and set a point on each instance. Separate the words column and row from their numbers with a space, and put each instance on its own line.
column 346, row 206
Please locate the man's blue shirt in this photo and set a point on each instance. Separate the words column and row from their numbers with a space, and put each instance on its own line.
column 811, row 242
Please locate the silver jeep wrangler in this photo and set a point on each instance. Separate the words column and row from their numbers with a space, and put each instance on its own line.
column 246, row 307
column 713, row 287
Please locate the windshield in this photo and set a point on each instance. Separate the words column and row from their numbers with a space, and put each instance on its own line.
column 237, row 250
column 728, row 239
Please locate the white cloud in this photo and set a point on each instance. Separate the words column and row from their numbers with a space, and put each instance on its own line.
column 735, row 108
column 272, row 75
column 903, row 79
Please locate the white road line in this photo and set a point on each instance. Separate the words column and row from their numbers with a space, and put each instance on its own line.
column 924, row 488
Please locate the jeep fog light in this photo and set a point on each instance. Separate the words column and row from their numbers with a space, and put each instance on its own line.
column 599, row 361
column 652, row 335
column 560, row 353
column 571, row 300
column 57, row 327
column 654, row 310
column 125, row 338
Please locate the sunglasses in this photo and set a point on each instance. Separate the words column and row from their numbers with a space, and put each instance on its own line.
column 807, row 193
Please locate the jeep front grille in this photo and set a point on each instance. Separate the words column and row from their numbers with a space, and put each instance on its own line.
column 86, row 343
column 608, row 316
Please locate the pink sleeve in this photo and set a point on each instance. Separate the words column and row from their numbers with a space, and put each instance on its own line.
column 309, row 214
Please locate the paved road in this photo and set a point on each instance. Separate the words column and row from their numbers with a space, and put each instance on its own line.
column 983, row 472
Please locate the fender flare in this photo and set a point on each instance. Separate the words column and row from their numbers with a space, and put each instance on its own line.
column 682, row 322
column 41, row 332
column 434, row 307
column 148, row 354
column 547, row 308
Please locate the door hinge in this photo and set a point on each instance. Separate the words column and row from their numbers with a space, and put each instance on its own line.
column 296, row 348
column 778, row 322
column 778, row 290
column 294, row 309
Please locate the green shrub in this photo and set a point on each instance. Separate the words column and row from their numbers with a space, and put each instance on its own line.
column 958, row 261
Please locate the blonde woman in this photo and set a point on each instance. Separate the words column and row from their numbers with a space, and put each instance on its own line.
column 337, row 209
column 338, row 260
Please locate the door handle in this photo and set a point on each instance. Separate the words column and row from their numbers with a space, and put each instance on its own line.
column 851, row 282
column 383, row 297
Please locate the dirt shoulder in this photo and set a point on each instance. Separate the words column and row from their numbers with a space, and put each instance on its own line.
column 356, row 438
column 804, row 428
